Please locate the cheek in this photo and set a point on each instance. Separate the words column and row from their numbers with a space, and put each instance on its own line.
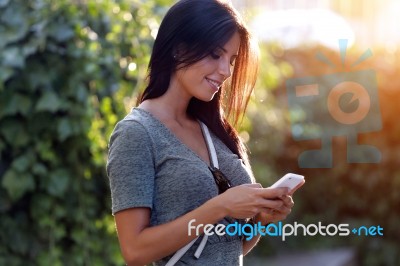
column 205, row 66
column 197, row 72
column 195, row 75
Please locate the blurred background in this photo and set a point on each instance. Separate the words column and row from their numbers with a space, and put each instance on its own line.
column 69, row 70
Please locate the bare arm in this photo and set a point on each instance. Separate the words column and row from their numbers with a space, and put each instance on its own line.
column 144, row 244
column 249, row 245
column 141, row 244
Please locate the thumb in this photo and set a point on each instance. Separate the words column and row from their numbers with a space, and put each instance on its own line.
column 275, row 192
column 254, row 185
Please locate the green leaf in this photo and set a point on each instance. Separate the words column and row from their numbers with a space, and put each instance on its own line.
column 45, row 151
column 39, row 169
column 64, row 129
column 81, row 93
column 58, row 182
column 48, row 102
column 14, row 132
column 3, row 3
column 17, row 184
column 12, row 57
column 33, row 45
column 61, row 32
column 23, row 162
column 15, row 24
column 5, row 73
column 15, row 104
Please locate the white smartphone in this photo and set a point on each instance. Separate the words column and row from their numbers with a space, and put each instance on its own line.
column 289, row 180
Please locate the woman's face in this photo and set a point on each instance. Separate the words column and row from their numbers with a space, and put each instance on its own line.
column 204, row 78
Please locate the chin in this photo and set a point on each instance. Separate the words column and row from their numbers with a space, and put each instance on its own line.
column 205, row 98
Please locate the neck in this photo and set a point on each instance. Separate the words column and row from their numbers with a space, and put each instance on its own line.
column 172, row 104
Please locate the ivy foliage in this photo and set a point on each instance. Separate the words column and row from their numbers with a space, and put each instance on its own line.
column 67, row 71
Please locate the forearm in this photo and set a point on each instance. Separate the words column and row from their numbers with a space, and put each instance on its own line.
column 250, row 244
column 143, row 244
column 156, row 242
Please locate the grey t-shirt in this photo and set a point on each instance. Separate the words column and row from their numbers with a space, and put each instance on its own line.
column 148, row 166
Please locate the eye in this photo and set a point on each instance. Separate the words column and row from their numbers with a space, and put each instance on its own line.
column 214, row 55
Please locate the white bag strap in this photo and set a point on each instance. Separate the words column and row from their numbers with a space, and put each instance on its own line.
column 180, row 253
column 214, row 163
column 210, row 145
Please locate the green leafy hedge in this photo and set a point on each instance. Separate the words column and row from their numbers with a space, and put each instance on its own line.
column 60, row 64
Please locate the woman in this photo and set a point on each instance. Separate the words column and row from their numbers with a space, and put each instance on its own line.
column 202, row 68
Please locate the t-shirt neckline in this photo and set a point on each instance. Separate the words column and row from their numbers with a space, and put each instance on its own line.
column 174, row 137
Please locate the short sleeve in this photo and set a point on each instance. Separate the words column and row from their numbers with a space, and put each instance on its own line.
column 130, row 167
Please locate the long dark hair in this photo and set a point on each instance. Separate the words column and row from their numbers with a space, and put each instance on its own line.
column 197, row 28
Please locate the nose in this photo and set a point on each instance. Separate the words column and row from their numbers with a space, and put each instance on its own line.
column 225, row 68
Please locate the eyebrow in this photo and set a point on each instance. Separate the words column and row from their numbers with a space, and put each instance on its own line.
column 225, row 51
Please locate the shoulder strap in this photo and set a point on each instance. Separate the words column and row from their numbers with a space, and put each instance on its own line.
column 210, row 145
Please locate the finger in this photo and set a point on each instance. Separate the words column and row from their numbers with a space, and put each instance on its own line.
column 265, row 214
column 288, row 200
column 255, row 185
column 266, row 211
column 281, row 208
column 278, row 217
column 290, row 204
column 271, row 204
column 271, row 193
column 282, row 212
column 286, row 210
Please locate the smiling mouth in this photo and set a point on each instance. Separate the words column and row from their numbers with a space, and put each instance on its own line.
column 214, row 83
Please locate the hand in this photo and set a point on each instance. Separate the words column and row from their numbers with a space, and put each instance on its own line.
column 274, row 215
column 269, row 216
column 248, row 200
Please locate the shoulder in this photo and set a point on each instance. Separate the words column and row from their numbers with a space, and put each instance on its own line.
column 134, row 129
column 130, row 142
column 136, row 124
